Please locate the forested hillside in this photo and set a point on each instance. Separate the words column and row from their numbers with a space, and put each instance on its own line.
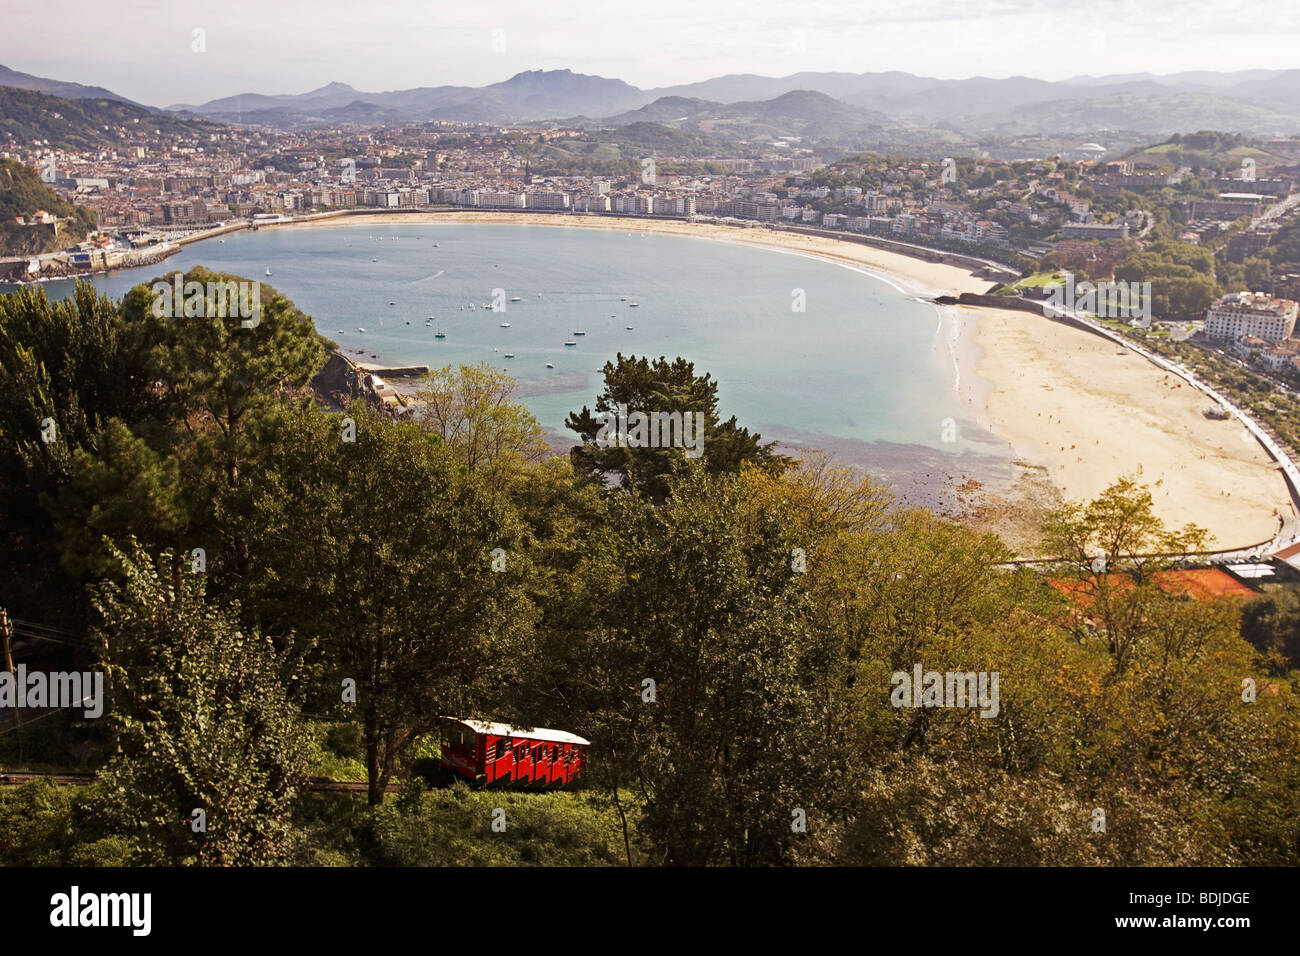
column 727, row 630
column 21, row 194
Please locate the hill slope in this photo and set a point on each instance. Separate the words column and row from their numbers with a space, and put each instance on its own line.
column 21, row 194
column 26, row 117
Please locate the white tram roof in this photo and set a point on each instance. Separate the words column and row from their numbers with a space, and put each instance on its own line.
column 509, row 730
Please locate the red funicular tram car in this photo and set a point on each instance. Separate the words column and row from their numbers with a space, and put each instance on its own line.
column 490, row 754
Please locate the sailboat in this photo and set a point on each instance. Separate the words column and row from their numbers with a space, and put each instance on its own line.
column 268, row 270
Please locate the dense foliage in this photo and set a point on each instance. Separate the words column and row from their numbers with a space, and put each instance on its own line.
column 22, row 194
column 277, row 591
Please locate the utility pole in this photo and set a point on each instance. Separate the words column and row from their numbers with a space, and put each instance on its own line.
column 9, row 666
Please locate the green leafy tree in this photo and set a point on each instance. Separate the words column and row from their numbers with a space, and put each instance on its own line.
column 67, row 368
column 226, row 379
column 382, row 551
column 473, row 412
column 203, row 715
column 639, row 385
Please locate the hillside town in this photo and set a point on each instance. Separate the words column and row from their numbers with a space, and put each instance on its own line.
column 162, row 188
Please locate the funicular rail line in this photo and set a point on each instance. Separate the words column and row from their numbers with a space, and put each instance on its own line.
column 14, row 778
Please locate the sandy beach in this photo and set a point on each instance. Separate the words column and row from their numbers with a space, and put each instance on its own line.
column 1067, row 399
column 1062, row 398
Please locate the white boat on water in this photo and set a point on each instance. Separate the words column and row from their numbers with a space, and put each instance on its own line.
column 268, row 271
column 570, row 343
column 515, row 299
column 579, row 332
column 508, row 355
column 505, row 325
column 549, row 365
column 634, row 305
column 360, row 329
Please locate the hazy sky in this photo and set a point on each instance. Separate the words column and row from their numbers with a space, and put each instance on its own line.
column 144, row 49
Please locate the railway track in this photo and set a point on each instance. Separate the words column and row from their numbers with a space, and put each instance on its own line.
column 16, row 778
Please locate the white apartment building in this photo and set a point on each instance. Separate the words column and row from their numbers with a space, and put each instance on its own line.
column 487, row 199
column 1241, row 314
column 548, row 200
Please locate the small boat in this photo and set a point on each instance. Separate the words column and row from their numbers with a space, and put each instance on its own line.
column 634, row 305
column 428, row 322
column 439, row 335
column 392, row 303
column 508, row 355
column 515, row 299
column 222, row 241
column 539, row 295
column 578, row 332
column 338, row 331
column 435, row 245
column 622, row 298
column 629, row 328
column 361, row 329
column 268, row 271
column 549, row 365
column 408, row 321
column 570, row 343
column 374, row 260
column 505, row 325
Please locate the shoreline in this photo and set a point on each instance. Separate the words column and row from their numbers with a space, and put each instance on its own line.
column 924, row 278
column 1051, row 392
column 1090, row 415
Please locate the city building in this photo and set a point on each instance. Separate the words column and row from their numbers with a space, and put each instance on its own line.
column 1241, row 314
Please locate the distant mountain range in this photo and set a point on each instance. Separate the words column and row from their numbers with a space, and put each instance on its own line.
column 827, row 107
column 87, row 122
column 69, row 91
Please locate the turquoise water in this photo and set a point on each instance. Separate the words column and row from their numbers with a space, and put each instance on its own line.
column 867, row 370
